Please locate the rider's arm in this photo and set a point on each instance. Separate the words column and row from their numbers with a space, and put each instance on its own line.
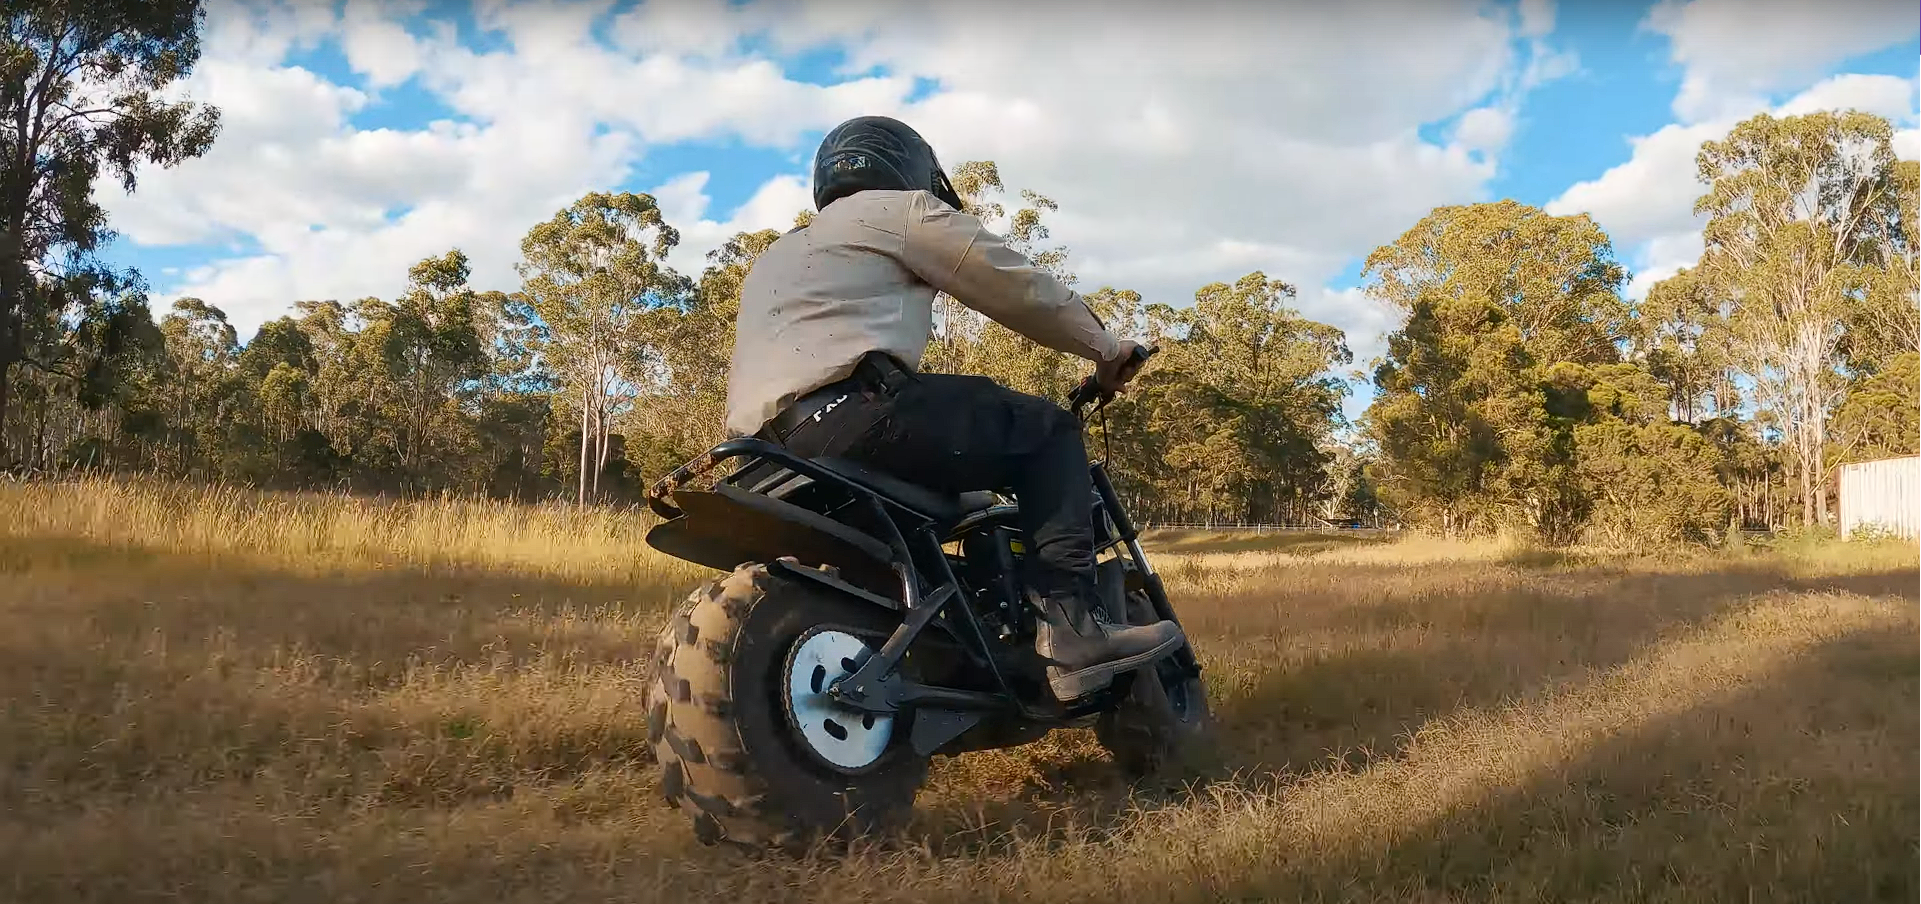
column 954, row 253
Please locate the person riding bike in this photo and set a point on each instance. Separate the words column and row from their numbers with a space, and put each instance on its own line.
column 834, row 319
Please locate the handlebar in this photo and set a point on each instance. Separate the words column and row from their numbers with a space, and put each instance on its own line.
column 1090, row 389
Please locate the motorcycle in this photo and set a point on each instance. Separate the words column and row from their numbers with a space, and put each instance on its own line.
column 865, row 625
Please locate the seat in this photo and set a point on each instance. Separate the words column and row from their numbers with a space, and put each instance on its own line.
column 944, row 508
column 977, row 501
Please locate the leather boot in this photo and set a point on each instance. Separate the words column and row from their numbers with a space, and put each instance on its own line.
column 1084, row 652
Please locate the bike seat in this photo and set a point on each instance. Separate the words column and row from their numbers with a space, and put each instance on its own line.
column 944, row 508
column 977, row 501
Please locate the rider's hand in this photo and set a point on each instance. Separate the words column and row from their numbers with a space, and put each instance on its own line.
column 1113, row 375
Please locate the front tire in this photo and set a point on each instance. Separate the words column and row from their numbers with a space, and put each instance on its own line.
column 1163, row 723
column 723, row 725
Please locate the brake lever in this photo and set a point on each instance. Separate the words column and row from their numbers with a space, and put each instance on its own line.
column 1087, row 392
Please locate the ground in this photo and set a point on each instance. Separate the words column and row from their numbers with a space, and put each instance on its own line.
column 212, row 695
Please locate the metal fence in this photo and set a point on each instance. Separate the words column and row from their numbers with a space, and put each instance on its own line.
column 1883, row 495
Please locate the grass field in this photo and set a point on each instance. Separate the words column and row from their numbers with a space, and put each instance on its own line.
column 213, row 696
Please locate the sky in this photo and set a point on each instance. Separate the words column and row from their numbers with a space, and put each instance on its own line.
column 1185, row 143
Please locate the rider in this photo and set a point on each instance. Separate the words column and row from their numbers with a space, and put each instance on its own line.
column 834, row 318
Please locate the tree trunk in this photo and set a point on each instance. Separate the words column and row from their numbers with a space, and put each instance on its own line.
column 600, row 454
column 1817, row 442
column 580, row 501
column 1820, row 481
column 13, row 282
column 40, row 435
column 6, row 370
column 1805, row 463
column 1804, row 457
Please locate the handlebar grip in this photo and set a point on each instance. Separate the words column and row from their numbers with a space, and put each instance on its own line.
column 1089, row 389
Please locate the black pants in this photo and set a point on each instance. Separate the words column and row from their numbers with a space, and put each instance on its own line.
column 960, row 433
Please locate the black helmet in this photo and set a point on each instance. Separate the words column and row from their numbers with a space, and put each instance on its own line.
column 877, row 152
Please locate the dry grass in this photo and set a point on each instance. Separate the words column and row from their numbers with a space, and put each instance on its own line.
column 219, row 696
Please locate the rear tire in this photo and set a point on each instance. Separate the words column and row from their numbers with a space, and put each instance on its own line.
column 729, row 754
column 1163, row 724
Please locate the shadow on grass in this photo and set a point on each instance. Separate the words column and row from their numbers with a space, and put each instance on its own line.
column 350, row 613
column 1340, row 706
column 1349, row 705
column 137, row 670
column 1300, row 543
column 1797, row 788
column 1532, row 557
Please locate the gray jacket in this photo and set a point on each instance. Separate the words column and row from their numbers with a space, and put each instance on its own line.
column 862, row 277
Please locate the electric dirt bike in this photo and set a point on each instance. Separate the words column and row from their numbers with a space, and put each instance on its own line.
column 867, row 624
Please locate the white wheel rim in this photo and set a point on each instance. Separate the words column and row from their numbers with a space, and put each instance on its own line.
column 841, row 735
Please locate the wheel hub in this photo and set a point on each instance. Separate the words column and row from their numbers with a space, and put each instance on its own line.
column 841, row 735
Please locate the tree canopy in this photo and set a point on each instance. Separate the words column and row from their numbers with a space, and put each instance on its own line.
column 84, row 87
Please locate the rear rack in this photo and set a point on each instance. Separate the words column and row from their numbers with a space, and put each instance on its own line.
column 755, row 448
column 759, row 451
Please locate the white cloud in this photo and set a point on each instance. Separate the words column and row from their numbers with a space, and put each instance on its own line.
column 1185, row 143
column 1662, row 257
column 274, row 121
column 662, row 99
column 683, row 198
column 1646, row 204
column 1179, row 150
column 377, row 46
column 340, row 212
column 1882, row 95
column 1907, row 144
column 1352, row 75
column 706, row 28
column 1484, row 129
column 1368, row 321
column 684, row 201
column 1738, row 52
column 262, row 33
column 1537, row 18
column 1652, row 193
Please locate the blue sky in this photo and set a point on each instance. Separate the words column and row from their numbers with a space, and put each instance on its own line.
column 1187, row 154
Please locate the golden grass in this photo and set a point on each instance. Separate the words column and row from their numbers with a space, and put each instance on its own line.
column 212, row 695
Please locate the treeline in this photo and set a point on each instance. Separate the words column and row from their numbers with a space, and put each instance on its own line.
column 607, row 363
column 1522, row 391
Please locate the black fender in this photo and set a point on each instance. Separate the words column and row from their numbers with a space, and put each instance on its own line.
column 725, row 526
column 788, row 567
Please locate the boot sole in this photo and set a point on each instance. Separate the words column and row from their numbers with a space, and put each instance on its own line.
column 1072, row 685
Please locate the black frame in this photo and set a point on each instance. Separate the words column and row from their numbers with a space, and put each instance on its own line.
column 874, row 686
